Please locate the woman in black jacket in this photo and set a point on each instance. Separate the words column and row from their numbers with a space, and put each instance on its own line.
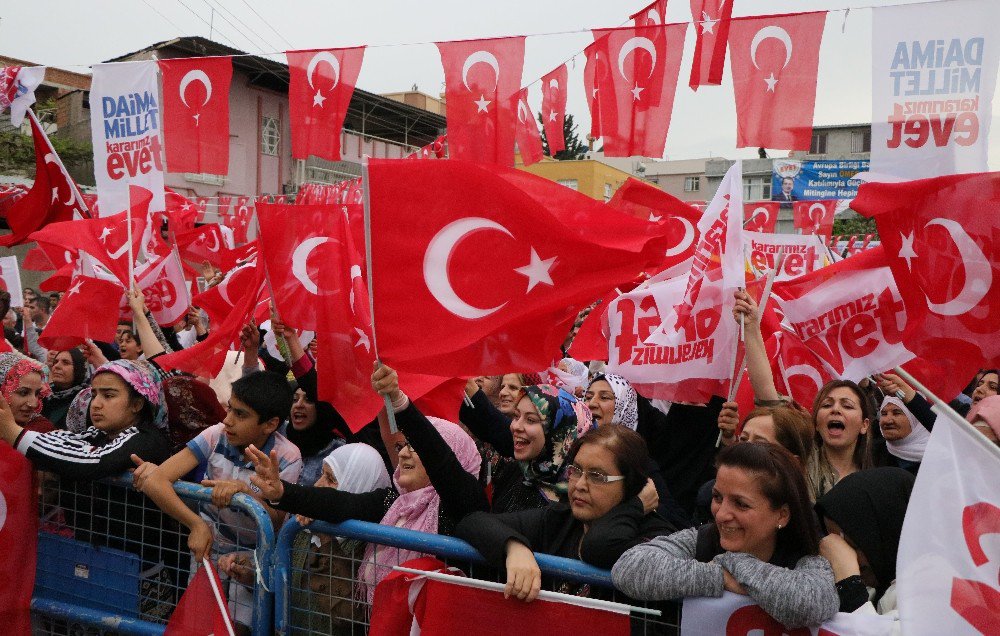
column 611, row 508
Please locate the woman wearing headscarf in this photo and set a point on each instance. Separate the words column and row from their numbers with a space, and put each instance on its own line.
column 314, row 438
column 905, row 437
column 68, row 375
column 489, row 422
column 863, row 514
column 24, row 385
column 435, row 483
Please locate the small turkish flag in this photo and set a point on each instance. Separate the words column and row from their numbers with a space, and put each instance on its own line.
column 196, row 113
column 321, row 83
column 761, row 216
column 529, row 141
column 814, row 217
column 220, row 300
column 10, row 278
column 672, row 217
column 941, row 238
column 775, row 60
column 163, row 285
column 711, row 26
column 482, row 78
column 202, row 609
column 591, row 341
column 202, row 244
column 554, row 85
column 181, row 211
column 89, row 310
column 223, row 205
column 642, row 83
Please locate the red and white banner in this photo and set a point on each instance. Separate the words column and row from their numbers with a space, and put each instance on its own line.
column 482, row 79
column 775, row 62
column 711, row 25
column 19, row 535
column 125, row 127
column 949, row 554
column 815, row 217
column 760, row 216
column 17, row 90
column 554, row 91
column 637, row 94
column 321, row 83
column 10, row 279
column 196, row 113
column 529, row 140
column 737, row 615
column 803, row 254
column 89, row 310
column 163, row 285
column 934, row 71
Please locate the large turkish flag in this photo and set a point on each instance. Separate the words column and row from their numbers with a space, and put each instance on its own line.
column 321, row 83
column 196, row 113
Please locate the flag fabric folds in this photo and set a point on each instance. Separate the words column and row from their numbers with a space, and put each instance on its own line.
column 321, row 83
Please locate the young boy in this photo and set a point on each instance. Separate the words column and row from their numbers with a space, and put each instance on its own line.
column 259, row 403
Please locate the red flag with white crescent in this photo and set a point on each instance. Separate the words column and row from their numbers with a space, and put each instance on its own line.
column 321, row 83
column 651, row 15
column 814, row 217
column 554, row 85
column 711, row 26
column 163, row 285
column 529, row 141
column 18, row 527
column 196, row 113
column 760, row 216
column 89, row 310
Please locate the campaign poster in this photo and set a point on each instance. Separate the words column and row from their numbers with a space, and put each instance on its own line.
column 125, row 127
column 934, row 70
column 793, row 180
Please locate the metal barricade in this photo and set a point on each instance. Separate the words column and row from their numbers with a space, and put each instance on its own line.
column 110, row 562
column 316, row 585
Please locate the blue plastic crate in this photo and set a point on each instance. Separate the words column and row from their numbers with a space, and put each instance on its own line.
column 75, row 572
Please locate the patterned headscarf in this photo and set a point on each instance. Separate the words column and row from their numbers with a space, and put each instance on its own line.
column 137, row 377
column 626, row 400
column 13, row 367
column 565, row 418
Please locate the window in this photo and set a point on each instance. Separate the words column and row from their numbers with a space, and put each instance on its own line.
column 756, row 188
column 270, row 136
column 607, row 192
column 818, row 146
column 861, row 141
column 692, row 184
column 569, row 183
column 202, row 177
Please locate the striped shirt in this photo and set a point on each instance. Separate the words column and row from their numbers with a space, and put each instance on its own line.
column 92, row 454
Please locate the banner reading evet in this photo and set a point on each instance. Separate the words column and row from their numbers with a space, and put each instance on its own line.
column 125, row 127
column 933, row 76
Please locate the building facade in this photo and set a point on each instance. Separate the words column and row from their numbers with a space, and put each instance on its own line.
column 596, row 179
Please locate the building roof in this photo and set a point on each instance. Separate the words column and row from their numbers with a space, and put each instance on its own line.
column 680, row 166
column 56, row 77
column 841, row 126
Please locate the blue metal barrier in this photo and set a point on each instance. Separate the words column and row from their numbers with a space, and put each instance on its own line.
column 50, row 606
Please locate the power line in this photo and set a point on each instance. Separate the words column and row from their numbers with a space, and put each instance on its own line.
column 268, row 24
column 206, row 22
column 253, row 43
column 180, row 31
column 222, row 7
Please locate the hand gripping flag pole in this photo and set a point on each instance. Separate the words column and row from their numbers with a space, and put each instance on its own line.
column 366, row 198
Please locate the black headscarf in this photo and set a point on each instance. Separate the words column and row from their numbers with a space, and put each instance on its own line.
column 869, row 506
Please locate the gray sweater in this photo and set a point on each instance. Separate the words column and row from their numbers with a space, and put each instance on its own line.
column 665, row 568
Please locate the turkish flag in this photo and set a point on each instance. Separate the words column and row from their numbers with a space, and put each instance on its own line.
column 52, row 198
column 529, row 141
column 432, row 221
column 670, row 217
column 223, row 206
column 597, row 73
column 105, row 238
column 181, row 211
column 775, row 60
column 482, row 78
column 554, row 85
column 321, row 83
column 642, row 83
column 814, row 217
column 940, row 236
column 204, row 243
column 196, row 113
column 163, row 285
column 19, row 534
column 760, row 216
column 711, row 25
column 242, row 216
column 207, row 357
column 653, row 14
column 802, row 369
column 58, row 281
column 89, row 310
column 220, row 300
column 202, row 609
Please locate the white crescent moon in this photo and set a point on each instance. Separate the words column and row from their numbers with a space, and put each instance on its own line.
column 477, row 57
column 554, row 83
column 329, row 58
column 3, row 511
column 195, row 75
column 978, row 273
column 215, row 241
column 299, row 258
column 759, row 210
column 522, row 109
column 822, row 211
column 632, row 44
column 654, row 17
column 50, row 158
column 686, row 241
column 436, row 265
column 806, row 371
column 777, row 33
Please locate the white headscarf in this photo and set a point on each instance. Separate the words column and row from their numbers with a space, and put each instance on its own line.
column 910, row 448
column 358, row 468
column 626, row 403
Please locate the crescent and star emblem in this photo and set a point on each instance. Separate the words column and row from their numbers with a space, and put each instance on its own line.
column 484, row 57
column 978, row 272
column 299, row 258
column 772, row 32
column 195, row 75
column 329, row 58
column 685, row 241
column 631, row 45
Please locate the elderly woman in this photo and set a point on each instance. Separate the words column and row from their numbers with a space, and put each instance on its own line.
column 68, row 375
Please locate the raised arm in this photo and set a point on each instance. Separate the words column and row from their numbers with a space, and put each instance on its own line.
column 151, row 346
column 758, row 367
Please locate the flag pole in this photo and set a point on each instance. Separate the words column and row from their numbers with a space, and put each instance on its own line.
column 544, row 595
column 218, row 596
column 366, row 200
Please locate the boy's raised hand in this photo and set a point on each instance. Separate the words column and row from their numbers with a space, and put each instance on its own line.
column 268, row 478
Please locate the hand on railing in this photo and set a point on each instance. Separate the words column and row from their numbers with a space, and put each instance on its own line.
column 524, row 578
column 224, row 489
column 238, row 566
column 267, row 476
column 143, row 470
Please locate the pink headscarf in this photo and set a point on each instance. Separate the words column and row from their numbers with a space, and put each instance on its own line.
column 988, row 410
column 416, row 510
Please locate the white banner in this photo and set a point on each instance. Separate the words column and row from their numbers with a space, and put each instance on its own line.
column 933, row 77
column 803, row 253
column 125, row 126
column 949, row 552
column 735, row 614
column 10, row 277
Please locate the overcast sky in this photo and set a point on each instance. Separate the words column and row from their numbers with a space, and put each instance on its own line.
column 72, row 34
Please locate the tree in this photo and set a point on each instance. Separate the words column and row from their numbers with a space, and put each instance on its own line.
column 575, row 149
column 854, row 224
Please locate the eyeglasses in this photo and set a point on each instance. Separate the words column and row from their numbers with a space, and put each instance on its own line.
column 574, row 473
column 401, row 445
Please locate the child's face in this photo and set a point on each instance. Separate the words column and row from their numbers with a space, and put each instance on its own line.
column 243, row 426
column 112, row 409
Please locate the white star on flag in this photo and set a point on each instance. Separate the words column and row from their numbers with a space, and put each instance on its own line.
column 197, row 121
column 362, row 340
column 552, row 116
column 653, row 218
column 635, row 92
column 537, row 270
column 906, row 250
column 481, row 104
column 105, row 233
column 770, row 81
column 707, row 23
column 318, row 99
column 55, row 194
column 75, row 288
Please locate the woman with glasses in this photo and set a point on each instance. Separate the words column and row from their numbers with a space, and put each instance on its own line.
column 611, row 507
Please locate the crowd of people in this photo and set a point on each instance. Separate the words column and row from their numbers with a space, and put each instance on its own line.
column 801, row 509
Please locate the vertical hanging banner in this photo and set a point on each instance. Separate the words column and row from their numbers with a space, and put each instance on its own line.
column 933, row 77
column 554, row 86
column 196, row 113
column 320, row 86
column 125, row 127
column 711, row 26
column 529, row 141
